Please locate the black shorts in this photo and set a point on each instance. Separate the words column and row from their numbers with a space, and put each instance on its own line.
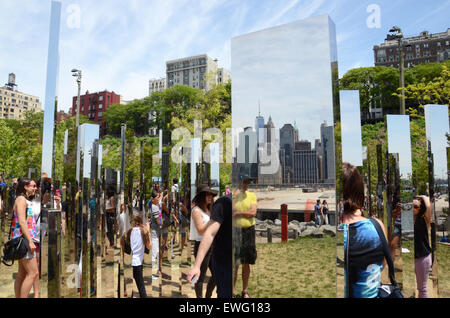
column 246, row 249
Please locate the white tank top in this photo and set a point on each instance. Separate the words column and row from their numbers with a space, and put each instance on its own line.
column 194, row 236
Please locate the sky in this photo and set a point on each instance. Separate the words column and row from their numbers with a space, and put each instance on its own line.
column 351, row 128
column 437, row 126
column 286, row 69
column 399, row 141
column 121, row 45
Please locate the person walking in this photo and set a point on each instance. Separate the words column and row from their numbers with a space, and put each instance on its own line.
column 422, row 248
column 324, row 212
column 24, row 224
column 244, row 213
column 364, row 257
column 317, row 213
column 200, row 217
column 219, row 235
column 138, row 238
column 155, row 221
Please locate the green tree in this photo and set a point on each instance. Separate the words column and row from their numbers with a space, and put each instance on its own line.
column 428, row 91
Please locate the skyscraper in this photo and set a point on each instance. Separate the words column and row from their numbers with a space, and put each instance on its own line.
column 269, row 139
column 328, row 159
column 287, row 143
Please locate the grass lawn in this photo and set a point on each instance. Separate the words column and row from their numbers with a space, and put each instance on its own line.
column 301, row 268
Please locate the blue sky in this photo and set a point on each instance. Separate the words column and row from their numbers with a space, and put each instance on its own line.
column 288, row 69
column 436, row 121
column 351, row 128
column 120, row 45
column 399, row 141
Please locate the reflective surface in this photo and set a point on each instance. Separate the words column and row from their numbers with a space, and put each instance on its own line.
column 400, row 194
column 283, row 101
column 437, row 128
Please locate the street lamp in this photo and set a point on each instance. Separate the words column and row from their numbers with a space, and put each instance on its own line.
column 77, row 73
column 398, row 35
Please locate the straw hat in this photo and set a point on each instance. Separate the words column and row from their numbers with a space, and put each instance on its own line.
column 204, row 188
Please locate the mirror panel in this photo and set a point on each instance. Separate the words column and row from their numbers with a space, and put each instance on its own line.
column 437, row 130
column 294, row 165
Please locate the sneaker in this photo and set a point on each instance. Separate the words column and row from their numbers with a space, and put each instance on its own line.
column 155, row 277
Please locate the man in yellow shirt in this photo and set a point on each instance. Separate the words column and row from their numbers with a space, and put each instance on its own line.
column 244, row 213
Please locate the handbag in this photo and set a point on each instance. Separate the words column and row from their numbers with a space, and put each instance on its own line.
column 14, row 249
column 386, row 290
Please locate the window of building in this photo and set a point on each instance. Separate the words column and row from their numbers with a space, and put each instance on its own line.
column 11, row 115
column 13, row 101
column 425, row 45
column 100, row 114
column 11, row 109
column 82, row 109
column 447, row 43
column 5, row 115
column 438, row 43
column 426, row 53
column 100, row 98
column 418, row 54
column 13, row 95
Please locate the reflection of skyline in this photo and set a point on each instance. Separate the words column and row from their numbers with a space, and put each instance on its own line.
column 287, row 69
column 437, row 125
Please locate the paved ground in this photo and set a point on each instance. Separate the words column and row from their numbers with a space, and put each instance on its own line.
column 294, row 198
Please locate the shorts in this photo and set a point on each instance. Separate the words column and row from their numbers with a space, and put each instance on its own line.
column 165, row 232
column 29, row 256
column 246, row 252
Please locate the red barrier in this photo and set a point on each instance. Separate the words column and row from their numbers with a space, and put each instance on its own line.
column 284, row 223
column 309, row 209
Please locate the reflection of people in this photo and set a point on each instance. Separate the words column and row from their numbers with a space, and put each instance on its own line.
column 341, row 209
column 363, row 248
column 184, row 223
column 218, row 233
column 396, row 233
column 422, row 249
column 244, row 213
column 200, row 220
column 24, row 224
column 110, row 208
column 138, row 238
column 36, row 207
column 318, row 213
column 324, row 212
column 155, row 224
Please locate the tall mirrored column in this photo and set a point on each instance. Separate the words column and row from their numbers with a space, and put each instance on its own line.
column 399, row 224
column 437, row 130
column 297, row 156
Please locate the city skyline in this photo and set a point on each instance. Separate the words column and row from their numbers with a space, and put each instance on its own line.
column 106, row 41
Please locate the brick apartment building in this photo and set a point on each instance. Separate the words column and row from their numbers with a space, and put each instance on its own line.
column 93, row 106
column 424, row 48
